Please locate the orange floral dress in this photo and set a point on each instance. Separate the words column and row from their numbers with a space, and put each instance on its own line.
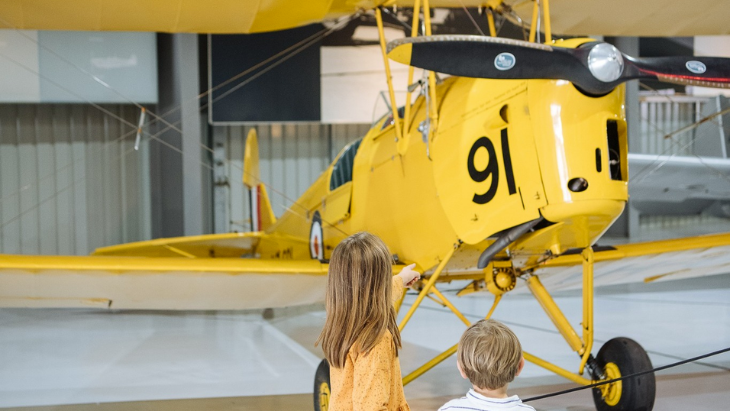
column 372, row 381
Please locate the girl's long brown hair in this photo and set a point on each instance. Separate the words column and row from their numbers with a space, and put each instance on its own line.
column 358, row 303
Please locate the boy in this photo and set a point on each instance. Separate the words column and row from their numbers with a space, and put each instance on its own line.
column 490, row 356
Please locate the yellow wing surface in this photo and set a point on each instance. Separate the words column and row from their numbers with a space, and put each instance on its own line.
column 157, row 278
column 642, row 262
column 168, row 274
column 572, row 17
column 232, row 245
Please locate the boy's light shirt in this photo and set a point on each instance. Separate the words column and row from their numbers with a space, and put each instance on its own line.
column 475, row 401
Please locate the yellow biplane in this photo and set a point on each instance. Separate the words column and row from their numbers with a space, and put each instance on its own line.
column 504, row 175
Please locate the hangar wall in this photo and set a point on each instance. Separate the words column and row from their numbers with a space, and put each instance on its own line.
column 292, row 156
column 69, row 181
column 661, row 115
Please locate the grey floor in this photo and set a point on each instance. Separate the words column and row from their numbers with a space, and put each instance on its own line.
column 136, row 360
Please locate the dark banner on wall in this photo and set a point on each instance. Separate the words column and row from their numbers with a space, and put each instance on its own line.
column 290, row 91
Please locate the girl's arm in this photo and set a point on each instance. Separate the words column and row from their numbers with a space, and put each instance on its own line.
column 372, row 377
column 397, row 288
column 405, row 278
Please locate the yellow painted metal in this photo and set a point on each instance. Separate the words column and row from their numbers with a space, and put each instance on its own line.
column 268, row 218
column 587, row 255
column 646, row 248
column 433, row 103
column 402, row 53
column 179, row 251
column 430, row 364
column 450, row 306
column 490, row 21
column 324, row 396
column 553, row 311
column 402, row 145
column 427, row 288
column 231, row 245
column 337, row 205
column 476, row 114
column 111, row 265
column 251, row 16
column 252, row 180
column 557, row 370
column 497, row 299
column 612, row 392
column 389, row 79
column 533, row 25
column 500, row 277
column 546, row 17
column 251, row 169
column 446, row 354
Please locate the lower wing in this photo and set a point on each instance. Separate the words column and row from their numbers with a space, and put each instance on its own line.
column 642, row 262
column 647, row 262
column 166, row 274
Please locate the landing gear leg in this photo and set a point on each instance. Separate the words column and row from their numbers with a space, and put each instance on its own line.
column 619, row 356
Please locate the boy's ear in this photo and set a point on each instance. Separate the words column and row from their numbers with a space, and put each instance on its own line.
column 463, row 375
column 520, row 366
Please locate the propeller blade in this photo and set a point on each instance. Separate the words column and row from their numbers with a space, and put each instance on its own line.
column 594, row 67
column 481, row 57
column 692, row 71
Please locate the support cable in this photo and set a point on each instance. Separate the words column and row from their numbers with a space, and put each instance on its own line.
column 636, row 374
column 292, row 50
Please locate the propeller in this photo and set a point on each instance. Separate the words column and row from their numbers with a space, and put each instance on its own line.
column 595, row 67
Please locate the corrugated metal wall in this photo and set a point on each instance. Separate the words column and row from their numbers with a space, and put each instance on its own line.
column 69, row 181
column 292, row 156
column 661, row 115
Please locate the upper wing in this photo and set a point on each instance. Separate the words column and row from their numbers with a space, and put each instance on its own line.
column 573, row 17
column 656, row 18
column 175, row 16
column 642, row 262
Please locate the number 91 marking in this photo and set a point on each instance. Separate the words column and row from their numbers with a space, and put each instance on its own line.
column 492, row 168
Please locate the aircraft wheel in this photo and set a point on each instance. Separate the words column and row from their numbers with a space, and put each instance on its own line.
column 624, row 356
column 322, row 387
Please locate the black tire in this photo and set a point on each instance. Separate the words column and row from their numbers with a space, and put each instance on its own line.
column 637, row 393
column 322, row 388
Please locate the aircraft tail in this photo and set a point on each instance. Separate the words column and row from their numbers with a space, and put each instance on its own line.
column 262, row 215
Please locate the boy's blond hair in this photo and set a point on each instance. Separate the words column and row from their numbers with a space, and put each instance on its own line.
column 489, row 354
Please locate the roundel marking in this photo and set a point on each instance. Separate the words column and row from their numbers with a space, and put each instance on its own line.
column 316, row 238
column 504, row 61
column 696, row 67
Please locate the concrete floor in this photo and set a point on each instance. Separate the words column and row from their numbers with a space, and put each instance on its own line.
column 59, row 359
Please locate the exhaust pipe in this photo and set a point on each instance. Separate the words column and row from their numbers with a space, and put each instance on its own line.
column 505, row 240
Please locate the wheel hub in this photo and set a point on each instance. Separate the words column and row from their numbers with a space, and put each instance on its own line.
column 324, row 396
column 611, row 392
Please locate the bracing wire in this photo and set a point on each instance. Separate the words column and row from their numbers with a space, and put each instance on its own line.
column 648, row 170
column 292, row 50
column 474, row 22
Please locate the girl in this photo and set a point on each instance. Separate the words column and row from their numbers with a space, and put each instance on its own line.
column 360, row 338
